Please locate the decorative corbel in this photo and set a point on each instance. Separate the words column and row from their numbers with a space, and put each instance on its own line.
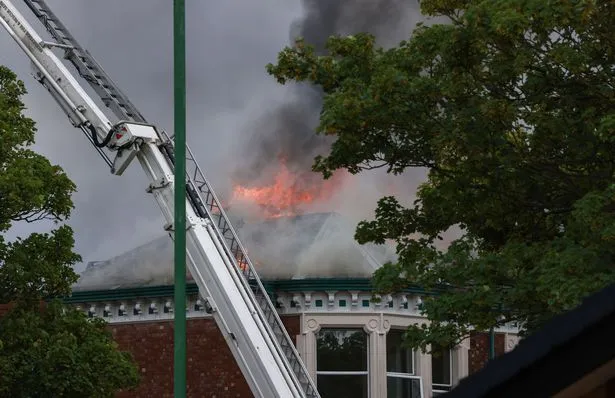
column 354, row 296
column 307, row 296
column 331, row 298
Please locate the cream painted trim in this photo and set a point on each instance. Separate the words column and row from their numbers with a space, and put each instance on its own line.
column 510, row 341
column 425, row 371
column 460, row 361
column 376, row 325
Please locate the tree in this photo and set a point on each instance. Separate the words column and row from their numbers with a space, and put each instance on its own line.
column 510, row 105
column 45, row 350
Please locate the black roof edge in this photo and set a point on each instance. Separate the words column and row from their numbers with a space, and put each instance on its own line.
column 551, row 340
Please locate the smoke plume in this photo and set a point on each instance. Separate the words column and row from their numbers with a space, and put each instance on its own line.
column 319, row 244
column 288, row 131
column 286, row 135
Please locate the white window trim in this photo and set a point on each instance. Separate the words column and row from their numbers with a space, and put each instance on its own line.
column 408, row 376
column 413, row 355
column 447, row 387
column 376, row 325
column 347, row 372
column 403, row 375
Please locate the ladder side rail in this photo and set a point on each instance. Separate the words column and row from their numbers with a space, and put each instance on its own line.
column 236, row 315
column 234, row 249
column 251, row 334
column 100, row 151
column 78, row 106
column 85, row 64
column 262, row 303
column 45, row 14
column 246, row 275
column 245, row 268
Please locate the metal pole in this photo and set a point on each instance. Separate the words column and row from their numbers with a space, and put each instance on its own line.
column 179, row 78
column 491, row 344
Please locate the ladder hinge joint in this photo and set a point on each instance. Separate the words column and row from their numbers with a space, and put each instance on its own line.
column 160, row 183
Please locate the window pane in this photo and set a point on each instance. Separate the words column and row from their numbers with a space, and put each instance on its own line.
column 399, row 359
column 441, row 367
column 398, row 387
column 340, row 386
column 341, row 350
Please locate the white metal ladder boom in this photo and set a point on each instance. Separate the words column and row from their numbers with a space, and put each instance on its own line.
column 216, row 259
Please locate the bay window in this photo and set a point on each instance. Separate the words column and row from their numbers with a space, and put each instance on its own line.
column 342, row 363
column 402, row 381
column 441, row 375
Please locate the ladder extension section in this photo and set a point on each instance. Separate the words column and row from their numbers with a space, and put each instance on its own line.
column 200, row 194
column 85, row 64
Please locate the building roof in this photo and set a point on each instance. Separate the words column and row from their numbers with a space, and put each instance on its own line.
column 277, row 286
column 319, row 245
column 562, row 352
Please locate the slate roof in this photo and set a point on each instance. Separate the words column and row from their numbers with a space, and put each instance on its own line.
column 306, row 246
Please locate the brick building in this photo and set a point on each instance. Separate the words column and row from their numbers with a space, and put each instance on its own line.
column 350, row 344
column 141, row 322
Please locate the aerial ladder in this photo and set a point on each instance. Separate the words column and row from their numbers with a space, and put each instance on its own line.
column 218, row 263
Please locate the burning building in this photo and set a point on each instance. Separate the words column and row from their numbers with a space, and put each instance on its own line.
column 318, row 276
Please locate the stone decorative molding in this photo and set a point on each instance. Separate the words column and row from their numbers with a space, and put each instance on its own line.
column 375, row 326
column 296, row 301
column 378, row 301
column 311, row 326
column 141, row 310
column 307, row 299
column 354, row 297
column 344, row 301
column 331, row 298
column 403, row 301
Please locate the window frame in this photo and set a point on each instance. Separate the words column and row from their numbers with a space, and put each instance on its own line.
column 413, row 354
column 403, row 375
column 365, row 372
column 440, row 388
column 396, row 375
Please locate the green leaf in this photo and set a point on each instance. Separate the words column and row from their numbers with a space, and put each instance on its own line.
column 510, row 106
column 53, row 351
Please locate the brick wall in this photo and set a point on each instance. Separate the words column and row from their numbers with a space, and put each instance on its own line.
column 211, row 370
column 479, row 350
column 292, row 323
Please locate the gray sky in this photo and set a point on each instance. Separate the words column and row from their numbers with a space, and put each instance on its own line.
column 228, row 45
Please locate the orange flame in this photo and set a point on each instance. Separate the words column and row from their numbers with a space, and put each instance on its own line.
column 288, row 193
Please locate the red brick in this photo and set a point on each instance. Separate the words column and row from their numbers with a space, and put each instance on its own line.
column 211, row 368
column 292, row 323
column 479, row 350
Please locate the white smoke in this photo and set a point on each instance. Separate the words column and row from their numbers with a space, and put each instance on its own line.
column 321, row 245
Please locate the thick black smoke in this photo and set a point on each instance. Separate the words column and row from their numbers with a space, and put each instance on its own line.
column 288, row 131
